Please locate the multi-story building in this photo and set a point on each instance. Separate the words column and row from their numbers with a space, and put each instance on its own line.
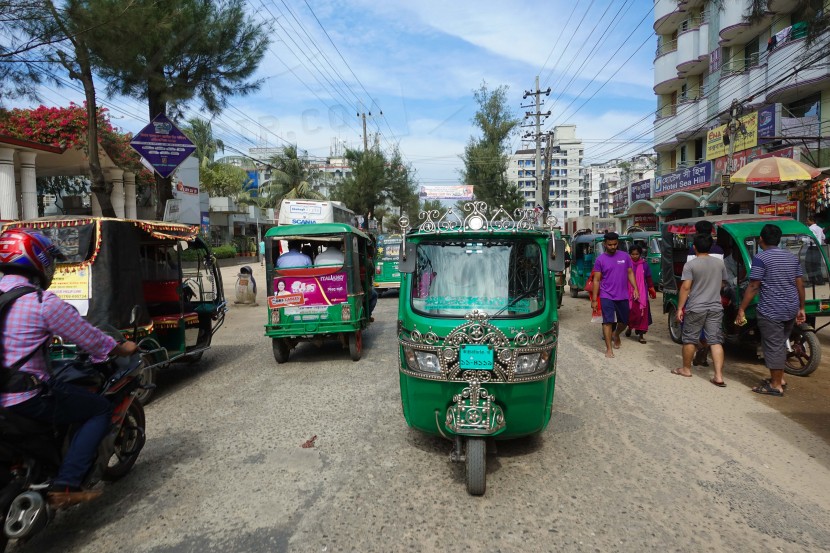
column 564, row 198
column 603, row 180
column 711, row 54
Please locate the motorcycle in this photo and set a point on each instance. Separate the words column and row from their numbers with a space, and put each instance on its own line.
column 31, row 451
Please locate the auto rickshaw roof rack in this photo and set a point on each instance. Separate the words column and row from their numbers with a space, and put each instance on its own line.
column 477, row 220
column 157, row 229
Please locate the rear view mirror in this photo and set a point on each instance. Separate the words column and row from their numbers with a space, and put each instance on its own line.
column 407, row 259
column 556, row 256
column 134, row 315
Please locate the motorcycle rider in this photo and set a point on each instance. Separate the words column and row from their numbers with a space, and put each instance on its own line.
column 27, row 258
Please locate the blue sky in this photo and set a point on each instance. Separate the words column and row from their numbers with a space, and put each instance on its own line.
column 419, row 63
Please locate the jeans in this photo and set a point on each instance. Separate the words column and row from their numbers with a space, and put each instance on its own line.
column 373, row 301
column 67, row 404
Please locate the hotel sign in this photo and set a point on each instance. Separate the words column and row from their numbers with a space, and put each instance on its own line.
column 692, row 178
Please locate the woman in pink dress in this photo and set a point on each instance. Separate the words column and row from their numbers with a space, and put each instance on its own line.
column 639, row 317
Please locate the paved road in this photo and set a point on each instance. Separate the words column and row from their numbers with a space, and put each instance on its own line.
column 635, row 459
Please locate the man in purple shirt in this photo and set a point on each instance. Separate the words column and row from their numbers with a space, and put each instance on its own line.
column 27, row 259
column 613, row 272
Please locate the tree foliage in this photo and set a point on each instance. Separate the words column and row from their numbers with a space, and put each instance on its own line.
column 200, row 132
column 291, row 177
column 224, row 179
column 366, row 187
column 177, row 51
column 486, row 156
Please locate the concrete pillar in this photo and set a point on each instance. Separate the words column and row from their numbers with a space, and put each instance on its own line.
column 130, row 210
column 96, row 207
column 28, row 186
column 116, row 176
column 8, row 191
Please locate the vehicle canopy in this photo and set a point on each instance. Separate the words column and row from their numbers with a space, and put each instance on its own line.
column 730, row 231
column 316, row 231
column 105, row 266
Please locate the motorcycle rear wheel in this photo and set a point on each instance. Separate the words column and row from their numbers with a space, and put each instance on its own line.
column 128, row 444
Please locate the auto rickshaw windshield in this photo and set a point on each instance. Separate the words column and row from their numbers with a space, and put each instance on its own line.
column 499, row 277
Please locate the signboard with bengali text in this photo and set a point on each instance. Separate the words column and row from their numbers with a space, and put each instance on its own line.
column 715, row 146
column 322, row 290
column 692, row 178
column 641, row 190
column 163, row 145
column 454, row 192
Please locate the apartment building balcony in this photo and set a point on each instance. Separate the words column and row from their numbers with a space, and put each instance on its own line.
column 691, row 117
column 665, row 128
column 667, row 16
column 665, row 68
column 807, row 80
column 734, row 84
column 693, row 50
column 781, row 6
column 734, row 29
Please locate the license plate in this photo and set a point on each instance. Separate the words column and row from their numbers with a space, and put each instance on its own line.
column 476, row 357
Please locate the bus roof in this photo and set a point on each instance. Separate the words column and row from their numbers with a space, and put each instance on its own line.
column 285, row 232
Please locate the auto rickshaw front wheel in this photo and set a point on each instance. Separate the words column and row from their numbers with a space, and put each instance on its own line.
column 281, row 350
column 356, row 345
column 476, row 459
column 674, row 327
column 574, row 291
column 805, row 352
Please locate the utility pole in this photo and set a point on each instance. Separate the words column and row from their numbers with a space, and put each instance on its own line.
column 537, row 114
column 732, row 128
column 365, row 140
column 546, row 180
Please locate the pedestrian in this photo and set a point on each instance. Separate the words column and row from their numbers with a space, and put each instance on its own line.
column 261, row 253
column 704, row 227
column 815, row 229
column 613, row 275
column 639, row 311
column 776, row 276
column 700, row 308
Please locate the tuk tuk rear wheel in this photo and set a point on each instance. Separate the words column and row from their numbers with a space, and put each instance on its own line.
column 281, row 350
column 806, row 353
column 674, row 327
column 476, row 466
column 574, row 291
column 356, row 345
column 147, row 377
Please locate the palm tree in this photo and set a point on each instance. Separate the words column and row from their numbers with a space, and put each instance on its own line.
column 290, row 178
column 200, row 133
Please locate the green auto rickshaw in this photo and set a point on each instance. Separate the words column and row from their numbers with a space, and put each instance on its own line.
column 322, row 301
column 650, row 242
column 738, row 236
column 585, row 248
column 387, row 275
column 478, row 327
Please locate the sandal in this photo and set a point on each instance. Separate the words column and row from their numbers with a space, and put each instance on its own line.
column 766, row 389
column 716, row 383
column 628, row 333
column 643, row 339
column 678, row 373
column 767, row 382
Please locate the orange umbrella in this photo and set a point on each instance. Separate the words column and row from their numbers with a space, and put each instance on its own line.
column 775, row 169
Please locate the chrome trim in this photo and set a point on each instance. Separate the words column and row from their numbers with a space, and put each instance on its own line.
column 475, row 412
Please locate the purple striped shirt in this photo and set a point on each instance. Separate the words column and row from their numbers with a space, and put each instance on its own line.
column 29, row 322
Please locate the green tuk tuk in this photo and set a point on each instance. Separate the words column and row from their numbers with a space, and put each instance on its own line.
column 478, row 328
column 650, row 242
column 585, row 248
column 313, row 303
column 738, row 236
column 387, row 275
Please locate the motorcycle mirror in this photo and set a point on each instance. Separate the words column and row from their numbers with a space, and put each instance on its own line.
column 556, row 255
column 134, row 315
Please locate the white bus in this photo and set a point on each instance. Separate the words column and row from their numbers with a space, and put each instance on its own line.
column 306, row 212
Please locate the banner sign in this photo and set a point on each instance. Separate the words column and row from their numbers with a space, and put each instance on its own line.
column 620, row 200
column 739, row 159
column 163, row 145
column 454, row 192
column 788, row 209
column 322, row 290
column 692, row 178
column 641, row 190
column 766, row 123
column 715, row 146
column 647, row 222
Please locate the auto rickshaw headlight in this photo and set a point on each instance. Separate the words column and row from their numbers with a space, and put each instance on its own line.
column 428, row 362
column 530, row 363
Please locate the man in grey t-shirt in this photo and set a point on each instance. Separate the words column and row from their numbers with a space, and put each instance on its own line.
column 699, row 306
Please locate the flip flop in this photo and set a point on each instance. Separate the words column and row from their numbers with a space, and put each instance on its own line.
column 716, row 383
column 643, row 340
column 767, row 390
column 678, row 373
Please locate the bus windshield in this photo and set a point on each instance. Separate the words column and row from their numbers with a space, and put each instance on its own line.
column 502, row 278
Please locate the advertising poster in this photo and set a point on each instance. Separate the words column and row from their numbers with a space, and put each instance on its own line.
column 715, row 146
column 72, row 284
column 309, row 291
column 455, row 192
